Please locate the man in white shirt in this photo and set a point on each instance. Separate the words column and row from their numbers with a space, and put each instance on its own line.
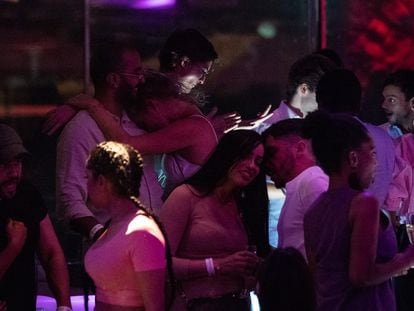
column 290, row 163
column 116, row 70
column 303, row 78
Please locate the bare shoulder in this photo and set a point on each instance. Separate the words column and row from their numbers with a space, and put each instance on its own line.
column 364, row 203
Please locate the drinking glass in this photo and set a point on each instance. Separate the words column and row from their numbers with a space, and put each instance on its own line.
column 409, row 226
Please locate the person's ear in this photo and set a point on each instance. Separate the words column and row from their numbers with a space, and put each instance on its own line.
column 301, row 147
column 303, row 89
column 411, row 103
column 185, row 62
column 101, row 180
column 353, row 159
column 113, row 79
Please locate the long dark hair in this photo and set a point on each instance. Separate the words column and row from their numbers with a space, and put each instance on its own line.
column 123, row 166
column 252, row 200
column 231, row 148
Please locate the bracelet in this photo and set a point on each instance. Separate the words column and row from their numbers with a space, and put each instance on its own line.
column 63, row 308
column 210, row 266
column 94, row 230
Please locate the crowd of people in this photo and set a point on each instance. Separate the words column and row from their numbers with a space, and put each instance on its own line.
column 172, row 202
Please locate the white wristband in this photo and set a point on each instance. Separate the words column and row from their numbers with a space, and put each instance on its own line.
column 210, row 266
column 63, row 308
column 94, row 230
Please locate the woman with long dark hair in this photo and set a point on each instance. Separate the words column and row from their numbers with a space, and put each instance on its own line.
column 209, row 241
column 128, row 261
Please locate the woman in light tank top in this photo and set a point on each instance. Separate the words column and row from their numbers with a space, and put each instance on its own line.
column 349, row 241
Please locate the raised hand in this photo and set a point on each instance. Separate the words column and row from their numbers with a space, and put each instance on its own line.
column 253, row 123
column 223, row 123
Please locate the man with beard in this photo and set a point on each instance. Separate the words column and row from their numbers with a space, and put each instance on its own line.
column 290, row 163
column 116, row 70
column 26, row 230
column 398, row 105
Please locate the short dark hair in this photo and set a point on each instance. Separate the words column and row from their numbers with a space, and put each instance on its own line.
column 404, row 79
column 107, row 58
column 332, row 55
column 333, row 136
column 285, row 128
column 309, row 70
column 339, row 91
column 282, row 275
column 188, row 42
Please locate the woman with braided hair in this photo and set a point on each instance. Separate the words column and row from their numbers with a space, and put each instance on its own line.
column 128, row 262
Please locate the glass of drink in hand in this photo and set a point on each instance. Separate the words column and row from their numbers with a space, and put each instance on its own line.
column 409, row 225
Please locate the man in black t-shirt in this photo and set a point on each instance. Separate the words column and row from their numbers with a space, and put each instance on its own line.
column 25, row 230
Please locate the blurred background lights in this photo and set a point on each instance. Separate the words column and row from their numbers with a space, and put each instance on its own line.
column 267, row 30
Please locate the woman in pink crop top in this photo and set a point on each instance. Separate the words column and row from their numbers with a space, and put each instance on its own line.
column 208, row 239
column 128, row 261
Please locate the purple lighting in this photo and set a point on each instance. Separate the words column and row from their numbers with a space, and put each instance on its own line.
column 152, row 4
column 135, row 4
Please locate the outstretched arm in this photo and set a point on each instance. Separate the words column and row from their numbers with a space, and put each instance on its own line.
column 53, row 261
column 174, row 137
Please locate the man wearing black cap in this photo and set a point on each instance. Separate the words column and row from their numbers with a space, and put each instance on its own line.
column 25, row 230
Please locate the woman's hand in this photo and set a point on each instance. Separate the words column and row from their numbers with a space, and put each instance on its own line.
column 3, row 305
column 57, row 118
column 251, row 124
column 223, row 123
column 83, row 102
column 239, row 263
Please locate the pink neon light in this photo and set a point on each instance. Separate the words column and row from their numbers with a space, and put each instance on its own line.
column 151, row 4
column 135, row 4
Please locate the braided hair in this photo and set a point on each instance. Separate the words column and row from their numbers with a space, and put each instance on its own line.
column 123, row 166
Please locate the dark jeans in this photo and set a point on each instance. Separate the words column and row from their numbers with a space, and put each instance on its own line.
column 225, row 303
column 404, row 285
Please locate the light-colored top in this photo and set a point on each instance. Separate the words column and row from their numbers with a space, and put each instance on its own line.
column 132, row 245
column 200, row 227
column 78, row 138
column 282, row 112
column 301, row 192
column 177, row 168
column 401, row 193
column 385, row 149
